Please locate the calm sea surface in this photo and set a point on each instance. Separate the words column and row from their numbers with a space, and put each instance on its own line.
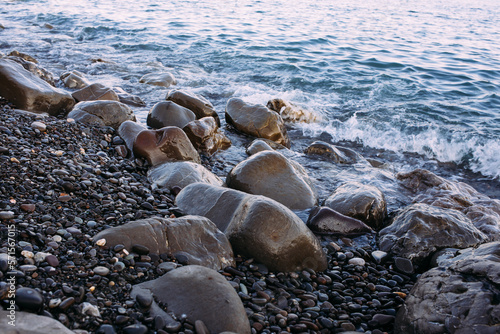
column 415, row 83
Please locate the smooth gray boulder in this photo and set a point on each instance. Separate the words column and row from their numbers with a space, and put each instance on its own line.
column 102, row 113
column 196, row 237
column 128, row 131
column 336, row 154
column 31, row 65
column 28, row 92
column 364, row 202
column 256, row 120
column 196, row 103
column 206, row 136
column 95, row 92
column 159, row 79
column 30, row 323
column 271, row 174
column 420, row 230
column 263, row 144
column 460, row 296
column 168, row 113
column 180, row 174
column 257, row 226
column 198, row 293
column 428, row 188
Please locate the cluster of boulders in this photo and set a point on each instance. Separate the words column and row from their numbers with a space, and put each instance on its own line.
column 251, row 211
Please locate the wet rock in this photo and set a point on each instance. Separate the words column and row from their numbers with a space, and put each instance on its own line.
column 165, row 145
column 257, row 121
column 364, row 202
column 102, row 113
column 329, row 221
column 159, row 79
column 29, row 299
column 31, row 65
column 199, row 293
column 128, row 99
column 29, row 92
column 180, row 174
column 29, row 323
column 431, row 189
column 196, row 237
column 292, row 113
column 256, row 226
column 128, row 131
column 197, row 104
column 95, row 92
column 206, row 136
column 257, row 146
column 420, row 230
column 74, row 80
column 336, row 154
column 271, row 174
column 168, row 113
column 460, row 296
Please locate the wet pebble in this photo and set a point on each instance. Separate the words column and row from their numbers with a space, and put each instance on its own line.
column 29, row 299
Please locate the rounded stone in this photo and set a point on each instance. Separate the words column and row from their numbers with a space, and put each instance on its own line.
column 29, row 299
column 100, row 270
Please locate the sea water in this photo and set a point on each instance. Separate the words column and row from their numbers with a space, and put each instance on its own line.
column 412, row 83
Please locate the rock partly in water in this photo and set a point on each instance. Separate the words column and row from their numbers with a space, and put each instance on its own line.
column 256, row 226
column 292, row 113
column 364, row 202
column 460, row 296
column 165, row 145
column 206, row 135
column 129, row 99
column 33, row 67
column 420, row 230
column 195, row 237
column 29, row 323
column 102, row 113
column 27, row 91
column 95, row 92
column 197, row 104
column 180, row 174
column 159, row 79
column 168, row 113
column 198, row 293
column 271, row 174
column 337, row 154
column 256, row 120
column 431, row 189
column 262, row 144
column 328, row 221
column 74, row 80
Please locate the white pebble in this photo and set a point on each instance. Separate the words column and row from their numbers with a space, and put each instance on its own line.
column 39, row 126
column 357, row 261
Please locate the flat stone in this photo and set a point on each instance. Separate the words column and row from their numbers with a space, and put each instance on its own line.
column 103, row 271
column 6, row 215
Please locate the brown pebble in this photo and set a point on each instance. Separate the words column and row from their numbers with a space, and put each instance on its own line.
column 28, row 207
column 67, row 303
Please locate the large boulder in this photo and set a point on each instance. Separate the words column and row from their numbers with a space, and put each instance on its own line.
column 30, row 323
column 364, row 202
column 337, row 154
column 129, row 99
column 206, row 135
column 460, row 296
column 324, row 220
column 196, row 237
column 168, row 113
column 198, row 293
column 164, row 145
column 271, row 174
column 257, row 121
column 434, row 190
column 103, row 113
column 292, row 113
column 159, row 79
column 197, row 104
column 180, row 174
column 95, row 92
column 420, row 230
column 27, row 91
column 256, row 226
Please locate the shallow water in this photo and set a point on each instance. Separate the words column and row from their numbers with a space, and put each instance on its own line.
column 413, row 83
